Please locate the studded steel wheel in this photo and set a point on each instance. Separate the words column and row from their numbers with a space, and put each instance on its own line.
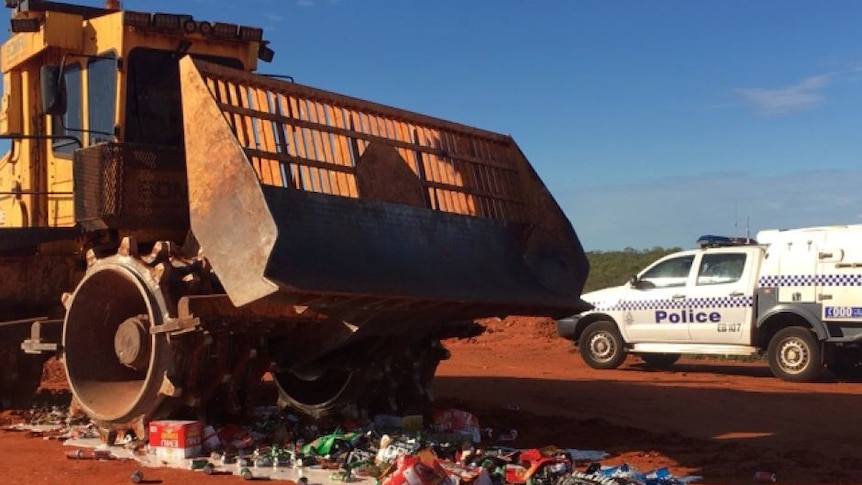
column 795, row 355
column 601, row 345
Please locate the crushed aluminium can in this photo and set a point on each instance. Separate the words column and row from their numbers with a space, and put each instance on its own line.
column 102, row 454
column 765, row 477
column 198, row 463
column 75, row 454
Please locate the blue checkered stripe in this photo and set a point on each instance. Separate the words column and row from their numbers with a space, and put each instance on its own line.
column 811, row 280
column 671, row 304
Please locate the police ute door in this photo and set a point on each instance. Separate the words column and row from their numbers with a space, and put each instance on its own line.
column 651, row 307
column 720, row 297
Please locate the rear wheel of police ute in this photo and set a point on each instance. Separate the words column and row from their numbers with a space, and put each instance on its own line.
column 794, row 355
column 846, row 363
column 601, row 345
column 659, row 361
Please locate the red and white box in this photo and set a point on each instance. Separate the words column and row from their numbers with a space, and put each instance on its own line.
column 175, row 440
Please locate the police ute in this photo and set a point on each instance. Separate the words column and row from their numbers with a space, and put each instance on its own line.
column 793, row 295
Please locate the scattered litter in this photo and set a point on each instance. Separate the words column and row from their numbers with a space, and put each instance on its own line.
column 625, row 474
column 387, row 450
column 457, row 421
column 175, row 440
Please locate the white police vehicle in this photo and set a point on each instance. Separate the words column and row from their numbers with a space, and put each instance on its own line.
column 795, row 295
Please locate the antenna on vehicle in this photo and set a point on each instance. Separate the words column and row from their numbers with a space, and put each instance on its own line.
column 735, row 217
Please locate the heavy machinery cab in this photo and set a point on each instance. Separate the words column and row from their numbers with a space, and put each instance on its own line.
column 78, row 76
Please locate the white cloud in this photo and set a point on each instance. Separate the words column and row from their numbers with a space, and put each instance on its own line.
column 672, row 212
column 805, row 94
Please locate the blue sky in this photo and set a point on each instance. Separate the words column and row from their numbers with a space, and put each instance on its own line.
column 651, row 122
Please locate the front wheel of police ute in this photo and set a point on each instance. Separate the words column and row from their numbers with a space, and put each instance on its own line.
column 794, row 355
column 601, row 345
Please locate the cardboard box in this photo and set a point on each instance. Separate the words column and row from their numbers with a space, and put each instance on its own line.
column 180, row 435
column 176, row 455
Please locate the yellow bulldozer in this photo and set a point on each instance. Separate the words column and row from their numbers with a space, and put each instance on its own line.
column 175, row 226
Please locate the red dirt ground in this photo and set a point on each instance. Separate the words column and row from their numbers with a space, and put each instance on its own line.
column 719, row 420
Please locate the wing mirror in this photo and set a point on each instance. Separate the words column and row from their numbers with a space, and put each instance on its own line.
column 53, row 87
column 640, row 284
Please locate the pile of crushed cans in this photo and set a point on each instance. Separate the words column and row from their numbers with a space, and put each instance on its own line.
column 388, row 450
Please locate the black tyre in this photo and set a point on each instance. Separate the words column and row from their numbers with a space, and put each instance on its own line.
column 795, row 355
column 659, row 361
column 846, row 363
column 601, row 346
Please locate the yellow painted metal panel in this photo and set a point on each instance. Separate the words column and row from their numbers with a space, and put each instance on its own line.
column 61, row 30
column 64, row 30
column 109, row 30
column 19, row 48
column 60, row 202
column 11, row 115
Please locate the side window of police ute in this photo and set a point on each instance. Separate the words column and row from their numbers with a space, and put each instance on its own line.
column 667, row 274
column 721, row 268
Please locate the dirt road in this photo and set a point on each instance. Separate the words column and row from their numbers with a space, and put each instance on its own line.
column 722, row 421
column 717, row 419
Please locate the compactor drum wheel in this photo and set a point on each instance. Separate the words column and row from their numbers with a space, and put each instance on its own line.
column 333, row 391
column 399, row 379
column 116, row 368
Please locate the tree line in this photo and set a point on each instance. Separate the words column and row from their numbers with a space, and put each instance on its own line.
column 614, row 268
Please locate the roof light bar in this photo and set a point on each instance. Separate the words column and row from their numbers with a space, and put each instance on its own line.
column 710, row 241
column 168, row 21
column 205, row 28
column 186, row 24
column 25, row 24
column 224, row 31
column 190, row 26
column 253, row 34
column 136, row 19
